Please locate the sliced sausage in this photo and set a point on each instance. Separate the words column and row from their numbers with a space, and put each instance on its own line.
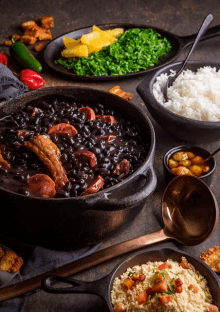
column 89, row 112
column 108, row 138
column 107, row 118
column 185, row 264
column 63, row 128
column 122, row 167
column 3, row 163
column 24, row 133
column 95, row 186
column 178, row 286
column 142, row 297
column 34, row 111
column 86, row 156
column 164, row 299
column 212, row 308
column 41, row 184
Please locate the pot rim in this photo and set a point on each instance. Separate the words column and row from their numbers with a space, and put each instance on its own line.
column 46, row 92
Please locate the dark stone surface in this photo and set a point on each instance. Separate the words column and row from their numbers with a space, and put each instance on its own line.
column 180, row 17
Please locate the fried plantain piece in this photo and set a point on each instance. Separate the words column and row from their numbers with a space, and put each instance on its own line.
column 10, row 262
column 38, row 47
column 1, row 252
column 27, row 39
column 185, row 264
column 47, row 21
column 16, row 37
column 44, row 34
column 118, row 91
column 29, row 25
column 212, row 258
column 17, row 265
column 8, row 43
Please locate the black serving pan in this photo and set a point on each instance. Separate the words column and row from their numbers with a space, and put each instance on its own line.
column 65, row 223
column 103, row 286
column 53, row 49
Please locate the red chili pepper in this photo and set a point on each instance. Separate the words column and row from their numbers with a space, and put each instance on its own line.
column 3, row 59
column 31, row 79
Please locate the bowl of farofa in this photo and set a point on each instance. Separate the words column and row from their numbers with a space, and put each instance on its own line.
column 193, row 111
column 152, row 281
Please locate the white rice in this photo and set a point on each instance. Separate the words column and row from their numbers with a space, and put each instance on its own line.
column 186, row 301
column 192, row 95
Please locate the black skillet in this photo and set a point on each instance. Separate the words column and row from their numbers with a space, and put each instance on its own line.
column 53, row 50
column 103, row 286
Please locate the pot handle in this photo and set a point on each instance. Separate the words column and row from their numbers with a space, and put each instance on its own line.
column 105, row 201
column 210, row 33
column 98, row 287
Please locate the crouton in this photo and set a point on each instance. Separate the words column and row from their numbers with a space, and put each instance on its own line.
column 47, row 22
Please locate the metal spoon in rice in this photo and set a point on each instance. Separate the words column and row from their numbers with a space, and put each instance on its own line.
column 202, row 30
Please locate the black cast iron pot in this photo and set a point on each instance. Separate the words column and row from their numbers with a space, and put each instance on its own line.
column 103, row 286
column 65, row 223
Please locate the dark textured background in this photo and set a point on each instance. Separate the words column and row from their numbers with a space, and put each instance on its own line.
column 180, row 17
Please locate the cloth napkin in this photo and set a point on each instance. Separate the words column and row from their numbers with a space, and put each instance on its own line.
column 40, row 260
column 10, row 86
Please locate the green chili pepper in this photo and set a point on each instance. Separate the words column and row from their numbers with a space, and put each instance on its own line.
column 21, row 53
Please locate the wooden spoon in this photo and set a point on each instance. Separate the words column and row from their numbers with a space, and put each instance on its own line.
column 215, row 152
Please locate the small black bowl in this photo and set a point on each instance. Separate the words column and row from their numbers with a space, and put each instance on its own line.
column 184, row 128
column 198, row 151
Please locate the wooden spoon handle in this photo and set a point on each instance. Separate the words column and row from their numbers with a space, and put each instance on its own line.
column 215, row 152
column 83, row 263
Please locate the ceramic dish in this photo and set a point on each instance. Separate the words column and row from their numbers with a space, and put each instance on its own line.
column 104, row 286
column 53, row 50
column 199, row 151
column 184, row 128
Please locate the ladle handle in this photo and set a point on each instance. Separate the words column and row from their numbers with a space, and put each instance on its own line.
column 202, row 29
column 83, row 263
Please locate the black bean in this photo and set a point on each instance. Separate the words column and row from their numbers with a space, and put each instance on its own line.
column 76, row 187
column 68, row 186
column 63, row 194
column 84, row 187
column 81, row 174
column 23, row 191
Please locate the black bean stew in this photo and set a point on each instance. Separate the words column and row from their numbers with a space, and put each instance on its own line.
column 87, row 148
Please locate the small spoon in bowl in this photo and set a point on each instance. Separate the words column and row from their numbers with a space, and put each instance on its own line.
column 190, row 215
column 210, row 156
column 202, row 29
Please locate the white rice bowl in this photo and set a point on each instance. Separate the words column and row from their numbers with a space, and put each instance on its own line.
column 195, row 95
column 186, row 301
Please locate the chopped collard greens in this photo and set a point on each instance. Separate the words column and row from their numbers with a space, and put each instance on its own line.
column 135, row 50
